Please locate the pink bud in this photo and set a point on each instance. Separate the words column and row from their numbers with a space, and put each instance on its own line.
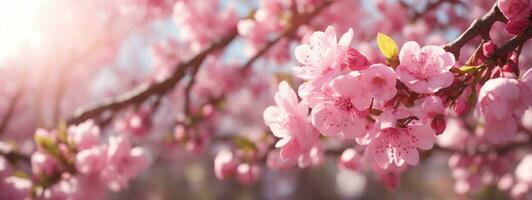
column 180, row 132
column 438, row 124
column 90, row 161
column 43, row 163
column 488, row 48
column 349, row 160
column 496, row 72
column 516, row 26
column 355, row 60
column 512, row 9
column 84, row 135
column 247, row 174
column 224, row 164
column 460, row 107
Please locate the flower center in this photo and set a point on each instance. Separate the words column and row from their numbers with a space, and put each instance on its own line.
column 344, row 103
column 378, row 81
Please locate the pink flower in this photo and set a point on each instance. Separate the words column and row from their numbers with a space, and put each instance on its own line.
column 137, row 123
column 92, row 160
column 5, row 168
column 43, row 163
column 516, row 26
column 512, row 9
column 425, row 70
column 432, row 111
column 247, row 174
column 225, row 164
column 15, row 188
column 379, row 80
column 524, row 168
column 322, row 53
column 389, row 177
column 350, row 160
column 355, row 60
column 84, row 135
column 341, row 110
column 398, row 144
column 123, row 162
column 499, row 103
column 288, row 121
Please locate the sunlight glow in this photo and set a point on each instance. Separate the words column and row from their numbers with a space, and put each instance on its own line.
column 18, row 27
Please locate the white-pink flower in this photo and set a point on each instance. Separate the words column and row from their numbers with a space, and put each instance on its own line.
column 92, row 160
column 499, row 103
column 398, row 144
column 288, row 121
column 123, row 162
column 84, row 135
column 341, row 110
column 425, row 70
column 379, row 80
column 225, row 164
column 322, row 54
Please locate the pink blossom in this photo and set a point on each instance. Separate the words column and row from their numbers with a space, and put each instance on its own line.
column 516, row 26
column 225, row 164
column 247, row 174
column 123, row 162
column 274, row 161
column 84, row 135
column 288, row 121
column 350, row 160
column 499, row 101
column 322, row 53
column 524, row 169
column 389, row 177
column 341, row 111
column 5, row 168
column 15, row 188
column 512, row 9
column 379, row 80
column 432, row 111
column 137, row 123
column 425, row 70
column 43, row 163
column 92, row 160
column 398, row 145
column 354, row 60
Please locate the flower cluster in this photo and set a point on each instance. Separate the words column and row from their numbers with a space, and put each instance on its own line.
column 82, row 164
column 392, row 110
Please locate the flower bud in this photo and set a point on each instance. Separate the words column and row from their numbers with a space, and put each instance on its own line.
column 438, row 124
column 225, row 164
column 349, row 160
column 247, row 173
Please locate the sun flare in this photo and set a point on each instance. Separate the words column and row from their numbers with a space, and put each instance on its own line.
column 18, row 26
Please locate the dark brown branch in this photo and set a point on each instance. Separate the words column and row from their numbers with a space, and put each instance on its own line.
column 143, row 92
column 511, row 45
column 480, row 27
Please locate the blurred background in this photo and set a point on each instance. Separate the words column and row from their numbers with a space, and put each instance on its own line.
column 59, row 55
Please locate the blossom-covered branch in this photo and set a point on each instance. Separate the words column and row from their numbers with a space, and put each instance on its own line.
column 143, row 92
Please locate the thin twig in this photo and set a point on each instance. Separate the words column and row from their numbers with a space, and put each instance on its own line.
column 480, row 27
column 143, row 92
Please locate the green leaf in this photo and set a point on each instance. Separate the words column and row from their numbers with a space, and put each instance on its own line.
column 244, row 143
column 47, row 143
column 468, row 69
column 387, row 46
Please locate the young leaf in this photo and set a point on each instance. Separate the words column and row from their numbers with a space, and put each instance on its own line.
column 387, row 46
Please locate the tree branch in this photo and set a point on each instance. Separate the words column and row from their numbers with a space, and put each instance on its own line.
column 480, row 27
column 143, row 92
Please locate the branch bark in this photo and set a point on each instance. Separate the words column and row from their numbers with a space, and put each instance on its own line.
column 480, row 27
column 143, row 92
